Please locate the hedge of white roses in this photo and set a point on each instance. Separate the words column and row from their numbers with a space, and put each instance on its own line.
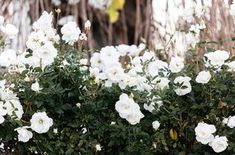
column 123, row 100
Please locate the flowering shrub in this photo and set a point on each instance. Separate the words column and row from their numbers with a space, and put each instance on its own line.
column 123, row 100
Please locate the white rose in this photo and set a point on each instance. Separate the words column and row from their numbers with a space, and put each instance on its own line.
column 46, row 54
column 24, row 135
column 176, row 64
column 156, row 125
column 203, row 77
column 204, row 132
column 14, row 108
column 70, row 33
column 134, row 117
column 217, row 58
column 219, row 144
column 231, row 122
column 9, row 30
column 8, row 57
column 36, row 87
column 40, row 122
column 184, row 85
column 44, row 23
column 156, row 67
column 35, row 40
column 128, row 109
column 124, row 105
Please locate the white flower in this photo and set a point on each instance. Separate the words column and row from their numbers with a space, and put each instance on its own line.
column 56, row 2
column 83, row 36
column 128, row 109
column 98, row 147
column 219, row 144
column 134, row 116
column 176, row 64
column 84, row 130
column 73, row 2
column 232, row 9
column 203, row 77
column 96, row 61
column 2, row 119
column 161, row 83
column 36, row 87
column 217, row 58
column 156, row 67
column 46, row 54
column 109, row 54
column 100, row 4
column 8, row 57
column 2, row 146
column 40, row 122
column 9, row 30
column 184, row 85
column 36, row 39
column 44, row 23
column 123, row 106
column 231, row 66
column 14, row 108
column 87, row 25
column 55, row 130
column 204, row 132
column 70, row 33
column 78, row 105
column 66, row 19
column 112, row 123
column 24, row 135
column 231, row 122
column 156, row 125
column 114, row 73
column 225, row 120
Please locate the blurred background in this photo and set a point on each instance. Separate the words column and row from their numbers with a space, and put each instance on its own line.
column 168, row 26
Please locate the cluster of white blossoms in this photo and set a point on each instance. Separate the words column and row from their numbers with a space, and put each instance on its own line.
column 128, row 109
column 41, row 42
column 130, row 66
column 230, row 121
column 204, row 134
column 9, row 103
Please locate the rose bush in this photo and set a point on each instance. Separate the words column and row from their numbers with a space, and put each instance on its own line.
column 55, row 99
